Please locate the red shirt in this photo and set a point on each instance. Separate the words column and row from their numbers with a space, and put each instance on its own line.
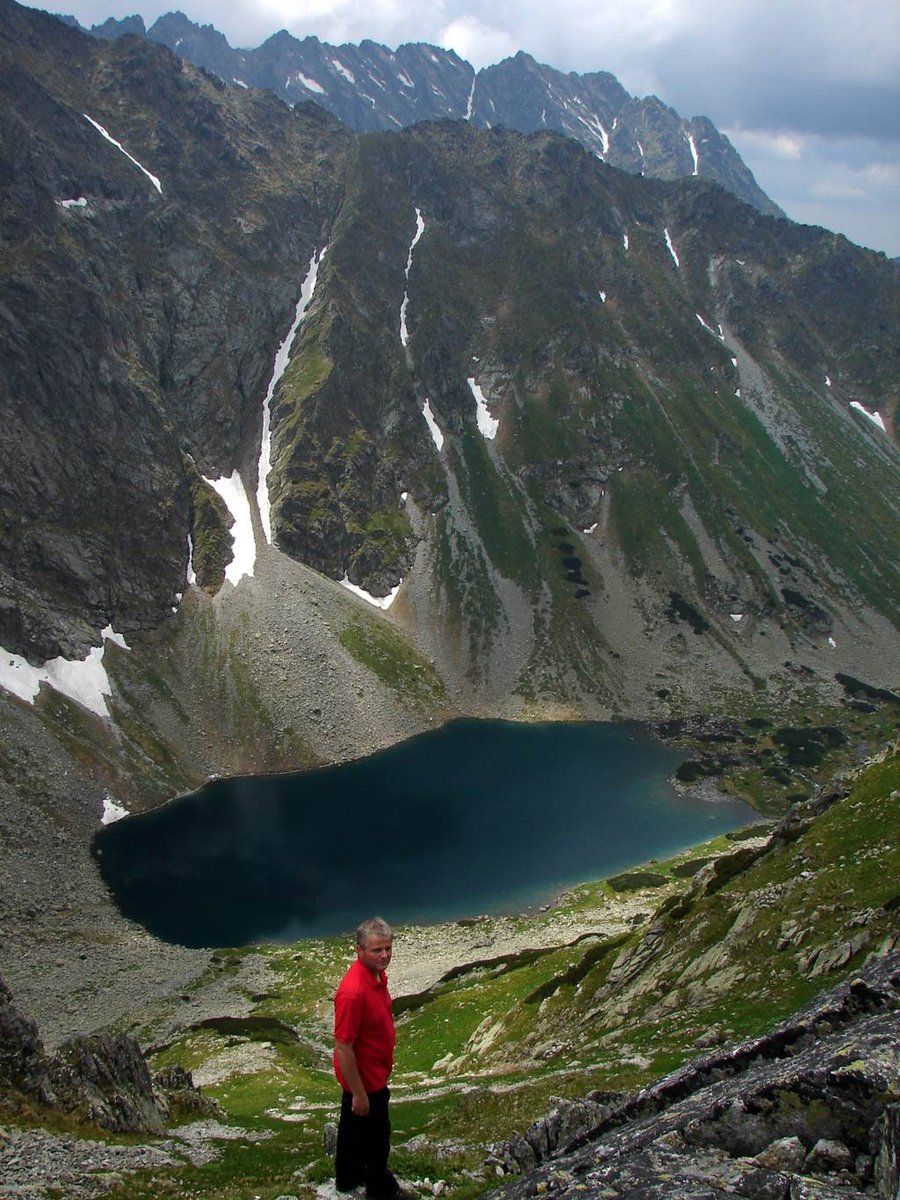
column 363, row 1018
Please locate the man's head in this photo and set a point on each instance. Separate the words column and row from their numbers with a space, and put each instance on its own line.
column 374, row 942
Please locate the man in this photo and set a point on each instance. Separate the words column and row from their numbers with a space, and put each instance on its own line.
column 363, row 1057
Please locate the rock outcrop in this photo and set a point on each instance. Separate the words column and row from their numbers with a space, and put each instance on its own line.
column 102, row 1080
column 809, row 1109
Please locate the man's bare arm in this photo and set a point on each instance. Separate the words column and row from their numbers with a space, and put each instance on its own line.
column 346, row 1057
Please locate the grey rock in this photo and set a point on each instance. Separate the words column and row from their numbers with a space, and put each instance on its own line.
column 887, row 1158
column 828, row 1155
column 784, row 1154
column 103, row 1079
column 742, row 1119
column 23, row 1063
column 106, row 1080
column 330, row 1138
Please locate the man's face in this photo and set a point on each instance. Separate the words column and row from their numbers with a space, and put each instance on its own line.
column 376, row 954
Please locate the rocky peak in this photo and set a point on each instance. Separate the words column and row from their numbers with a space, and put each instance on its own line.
column 370, row 87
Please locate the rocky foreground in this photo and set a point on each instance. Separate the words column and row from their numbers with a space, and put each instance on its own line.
column 799, row 1112
column 803, row 1112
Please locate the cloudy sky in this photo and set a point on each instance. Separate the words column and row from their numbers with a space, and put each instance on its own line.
column 807, row 90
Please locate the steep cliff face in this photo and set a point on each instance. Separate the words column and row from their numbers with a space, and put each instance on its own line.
column 532, row 386
column 145, row 287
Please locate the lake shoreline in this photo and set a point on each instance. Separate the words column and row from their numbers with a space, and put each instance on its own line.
column 478, row 816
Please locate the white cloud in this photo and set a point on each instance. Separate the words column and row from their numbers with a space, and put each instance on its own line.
column 849, row 185
column 477, row 43
column 765, row 144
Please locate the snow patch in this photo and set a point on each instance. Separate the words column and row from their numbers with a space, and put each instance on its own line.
column 342, row 70
column 420, row 229
column 827, row 381
column 720, row 334
column 487, row 424
column 625, row 240
column 603, row 295
column 672, row 249
column 78, row 202
column 264, row 465
column 593, row 123
column 240, row 83
column 737, row 617
column 405, row 79
column 694, row 155
column 231, row 489
column 379, row 602
column 436, row 436
column 875, row 417
column 191, row 575
column 470, row 106
column 311, row 85
column 119, row 146
column 112, row 811
column 83, row 680
column 590, row 529
column 832, row 643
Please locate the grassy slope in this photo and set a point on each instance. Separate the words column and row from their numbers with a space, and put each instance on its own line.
column 481, row 1055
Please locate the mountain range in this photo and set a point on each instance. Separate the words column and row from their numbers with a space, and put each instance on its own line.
column 313, row 439
column 370, row 87
column 612, row 433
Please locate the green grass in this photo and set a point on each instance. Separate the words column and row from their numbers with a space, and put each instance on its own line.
column 388, row 655
column 517, row 1032
column 496, row 509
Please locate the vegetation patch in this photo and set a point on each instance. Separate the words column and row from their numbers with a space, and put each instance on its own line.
column 384, row 652
column 679, row 609
column 210, row 535
column 808, row 747
column 687, row 870
column 254, row 1028
column 633, row 881
column 694, row 769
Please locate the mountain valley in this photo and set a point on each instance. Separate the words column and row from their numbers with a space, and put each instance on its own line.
column 318, row 435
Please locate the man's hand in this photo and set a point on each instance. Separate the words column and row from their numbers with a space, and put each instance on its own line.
column 346, row 1057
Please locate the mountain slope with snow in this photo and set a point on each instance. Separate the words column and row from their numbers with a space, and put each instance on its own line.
column 370, row 87
column 597, row 439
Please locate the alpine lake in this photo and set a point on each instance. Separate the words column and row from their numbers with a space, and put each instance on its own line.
column 475, row 817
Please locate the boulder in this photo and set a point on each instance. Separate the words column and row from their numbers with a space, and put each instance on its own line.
column 784, row 1154
column 887, row 1160
column 23, row 1063
column 106, row 1079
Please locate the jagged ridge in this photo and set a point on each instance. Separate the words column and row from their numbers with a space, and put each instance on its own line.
column 373, row 88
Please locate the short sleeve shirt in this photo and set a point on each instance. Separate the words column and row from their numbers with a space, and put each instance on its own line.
column 363, row 1018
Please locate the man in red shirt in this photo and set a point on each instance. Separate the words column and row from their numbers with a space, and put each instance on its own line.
column 363, row 1057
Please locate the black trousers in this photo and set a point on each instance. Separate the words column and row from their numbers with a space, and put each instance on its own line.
column 363, row 1145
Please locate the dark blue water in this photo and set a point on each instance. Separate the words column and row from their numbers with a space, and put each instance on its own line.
column 480, row 816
